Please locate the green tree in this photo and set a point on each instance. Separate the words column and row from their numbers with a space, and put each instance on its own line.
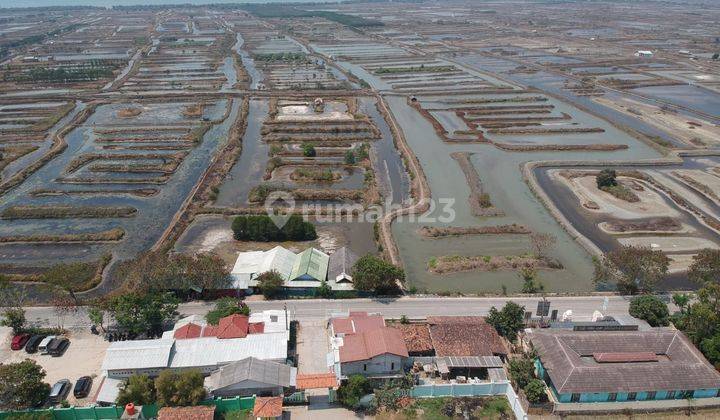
column 350, row 392
column 522, row 371
column 139, row 390
column 261, row 228
column 372, row 274
column 22, row 386
column 324, row 290
column 349, row 157
column 606, row 178
column 270, row 284
column 14, row 318
column 507, row 321
column 96, row 316
column 158, row 272
column 225, row 307
column 632, row 269
column 535, row 391
column 705, row 267
column 180, row 389
column 308, row 149
column 527, row 275
column 681, row 300
column 143, row 313
column 651, row 309
column 710, row 347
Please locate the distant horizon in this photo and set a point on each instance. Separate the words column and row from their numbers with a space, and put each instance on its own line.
column 20, row 4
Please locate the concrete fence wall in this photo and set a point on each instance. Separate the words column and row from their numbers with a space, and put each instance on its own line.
column 472, row 390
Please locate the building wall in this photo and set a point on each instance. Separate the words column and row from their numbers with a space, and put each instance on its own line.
column 378, row 365
column 640, row 396
column 622, row 396
column 248, row 388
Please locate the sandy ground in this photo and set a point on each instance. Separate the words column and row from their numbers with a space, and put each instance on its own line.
column 707, row 178
column 670, row 243
column 333, row 112
column 673, row 124
column 651, row 204
column 219, row 239
column 680, row 262
column 83, row 357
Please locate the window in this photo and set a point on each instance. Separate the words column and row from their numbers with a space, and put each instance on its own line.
column 671, row 395
column 392, row 366
column 575, row 398
column 365, row 367
column 612, row 396
column 273, row 318
column 651, row 395
column 632, row 396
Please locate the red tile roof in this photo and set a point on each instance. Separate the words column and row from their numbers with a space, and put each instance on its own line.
column 201, row 412
column 316, row 381
column 210, row 331
column 464, row 336
column 416, row 337
column 256, row 328
column 368, row 344
column 625, row 357
column 356, row 323
column 233, row 326
column 268, row 407
column 189, row 330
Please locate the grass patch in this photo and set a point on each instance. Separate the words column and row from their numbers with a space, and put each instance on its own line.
column 66, row 212
column 621, row 192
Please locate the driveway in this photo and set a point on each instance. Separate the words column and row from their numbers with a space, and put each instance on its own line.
column 313, row 347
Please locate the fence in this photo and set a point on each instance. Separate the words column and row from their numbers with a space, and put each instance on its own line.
column 471, row 390
column 114, row 412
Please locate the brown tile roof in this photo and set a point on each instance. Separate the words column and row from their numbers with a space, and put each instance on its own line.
column 368, row 344
column 316, row 381
column 189, row 330
column 233, row 326
column 268, row 407
column 416, row 337
column 464, row 336
column 201, row 412
column 569, row 359
column 357, row 322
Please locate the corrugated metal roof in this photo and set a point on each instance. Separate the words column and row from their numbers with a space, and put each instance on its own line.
column 280, row 260
column 212, row 351
column 109, row 390
column 340, row 264
column 139, row 354
column 311, row 263
column 471, row 361
column 252, row 369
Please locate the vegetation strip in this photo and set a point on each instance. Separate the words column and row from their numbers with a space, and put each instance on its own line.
column 66, row 212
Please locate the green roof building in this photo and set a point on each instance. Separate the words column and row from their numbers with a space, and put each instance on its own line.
column 310, row 265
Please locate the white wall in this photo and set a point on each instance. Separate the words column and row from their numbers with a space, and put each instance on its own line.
column 383, row 364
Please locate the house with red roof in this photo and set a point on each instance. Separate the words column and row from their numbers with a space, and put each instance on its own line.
column 363, row 345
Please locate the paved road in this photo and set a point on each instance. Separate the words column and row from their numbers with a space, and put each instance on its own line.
column 319, row 309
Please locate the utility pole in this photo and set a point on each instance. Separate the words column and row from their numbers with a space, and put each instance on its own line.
column 287, row 327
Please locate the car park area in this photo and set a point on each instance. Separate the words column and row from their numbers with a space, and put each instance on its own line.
column 82, row 356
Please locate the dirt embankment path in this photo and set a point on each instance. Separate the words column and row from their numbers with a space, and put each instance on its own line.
column 419, row 188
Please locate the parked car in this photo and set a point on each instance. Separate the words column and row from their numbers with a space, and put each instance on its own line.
column 18, row 341
column 82, row 387
column 33, row 343
column 57, row 347
column 59, row 391
column 42, row 347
